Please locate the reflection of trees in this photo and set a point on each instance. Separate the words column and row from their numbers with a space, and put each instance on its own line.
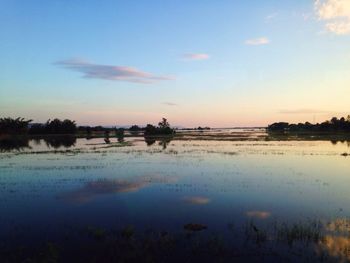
column 162, row 141
column 59, row 141
column 9, row 143
column 18, row 143
column 120, row 134
column 149, row 140
column 333, row 138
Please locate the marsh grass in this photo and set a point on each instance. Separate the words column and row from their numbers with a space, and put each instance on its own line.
column 304, row 232
column 275, row 242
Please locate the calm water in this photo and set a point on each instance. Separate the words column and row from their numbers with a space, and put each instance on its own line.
column 48, row 188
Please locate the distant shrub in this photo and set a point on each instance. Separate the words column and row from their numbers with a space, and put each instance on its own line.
column 135, row 128
column 333, row 125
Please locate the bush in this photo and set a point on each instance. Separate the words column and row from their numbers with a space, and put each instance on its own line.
column 162, row 129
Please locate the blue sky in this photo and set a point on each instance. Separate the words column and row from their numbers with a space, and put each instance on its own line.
column 216, row 63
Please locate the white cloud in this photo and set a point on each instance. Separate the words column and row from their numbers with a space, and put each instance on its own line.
column 168, row 103
column 196, row 56
column 258, row 41
column 109, row 72
column 336, row 14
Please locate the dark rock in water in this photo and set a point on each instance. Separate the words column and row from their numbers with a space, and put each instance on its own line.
column 195, row 227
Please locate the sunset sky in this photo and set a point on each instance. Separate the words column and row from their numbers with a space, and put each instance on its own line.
column 212, row 63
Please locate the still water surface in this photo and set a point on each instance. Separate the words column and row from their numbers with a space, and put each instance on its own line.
column 48, row 188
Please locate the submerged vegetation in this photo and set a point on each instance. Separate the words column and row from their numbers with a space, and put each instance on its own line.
column 333, row 125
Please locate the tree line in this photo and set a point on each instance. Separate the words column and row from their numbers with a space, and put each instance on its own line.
column 332, row 125
column 20, row 125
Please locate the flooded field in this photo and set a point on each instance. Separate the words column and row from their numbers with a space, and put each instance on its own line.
column 203, row 195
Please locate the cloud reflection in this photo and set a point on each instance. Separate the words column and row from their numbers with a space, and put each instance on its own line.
column 258, row 214
column 196, row 200
column 340, row 225
column 337, row 246
column 337, row 242
column 93, row 189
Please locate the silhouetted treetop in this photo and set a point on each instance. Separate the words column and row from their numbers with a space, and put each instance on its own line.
column 162, row 129
column 333, row 125
column 55, row 126
column 14, row 126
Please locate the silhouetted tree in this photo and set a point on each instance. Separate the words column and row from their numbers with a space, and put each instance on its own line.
column 334, row 125
column 55, row 126
column 278, row 126
column 135, row 128
column 150, row 129
column 164, row 124
column 14, row 126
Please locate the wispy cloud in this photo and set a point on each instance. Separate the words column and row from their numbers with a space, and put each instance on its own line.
column 336, row 14
column 168, row 103
column 257, row 41
column 271, row 16
column 302, row 111
column 196, row 56
column 109, row 72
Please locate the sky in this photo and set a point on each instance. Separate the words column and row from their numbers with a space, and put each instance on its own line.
column 210, row 63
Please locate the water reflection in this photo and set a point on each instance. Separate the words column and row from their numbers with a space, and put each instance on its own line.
column 258, row 214
column 9, row 143
column 337, row 247
column 162, row 141
column 334, row 138
column 60, row 141
column 94, row 189
column 341, row 225
column 196, row 200
column 150, row 141
column 253, row 185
